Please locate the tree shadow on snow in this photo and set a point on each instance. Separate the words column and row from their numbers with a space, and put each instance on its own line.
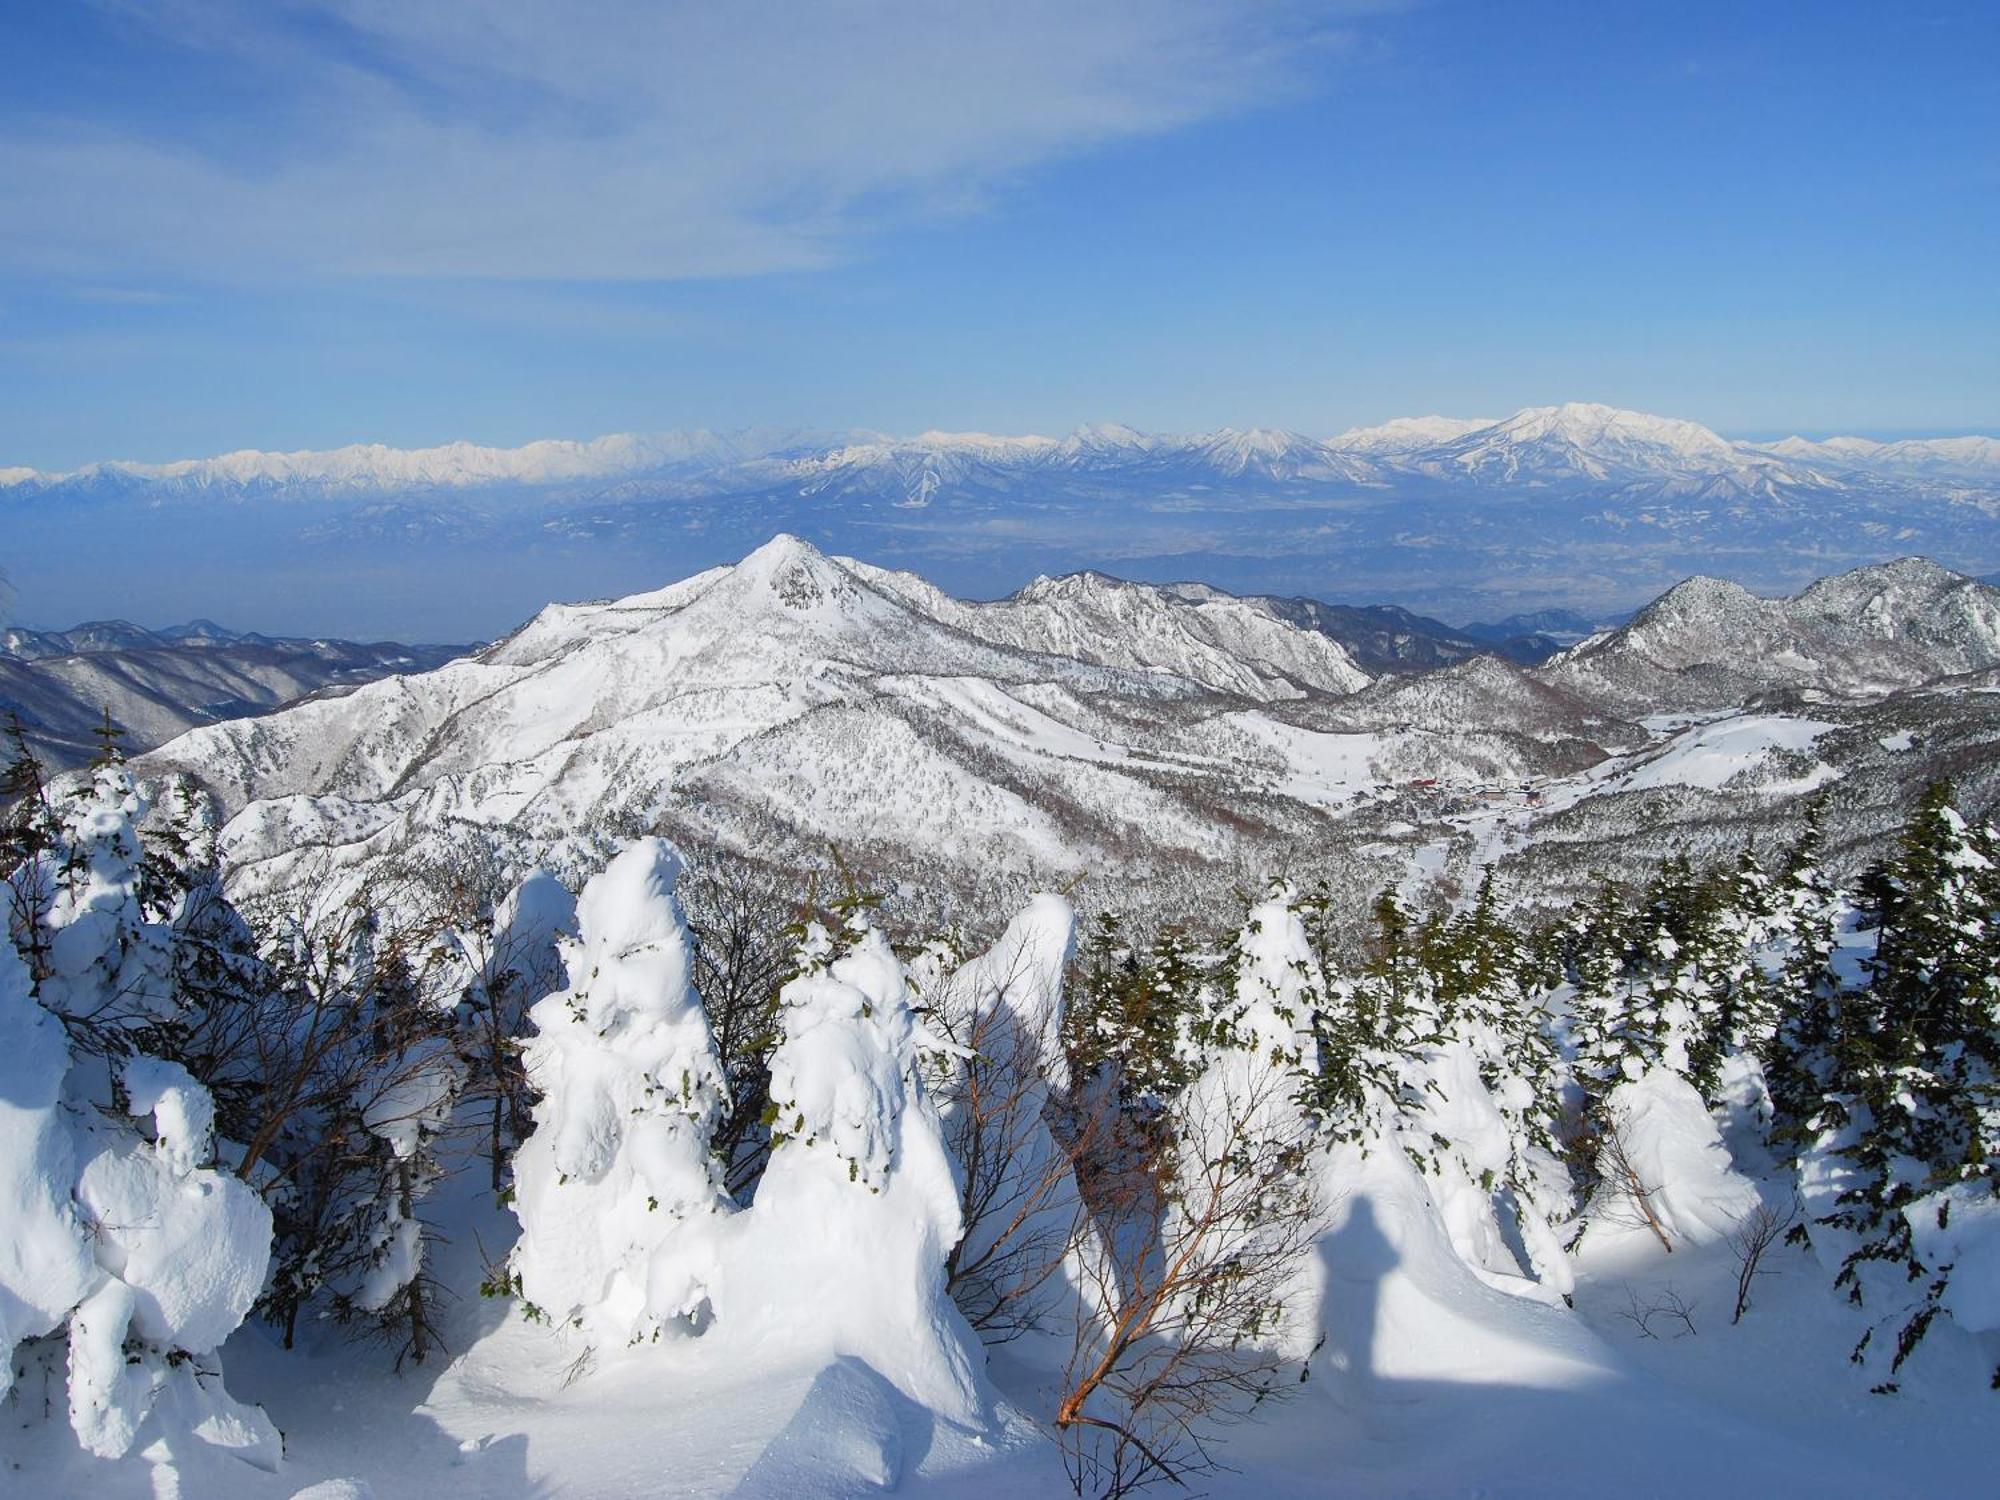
column 1595, row 1426
column 853, row 1433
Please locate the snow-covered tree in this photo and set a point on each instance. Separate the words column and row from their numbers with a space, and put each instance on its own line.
column 127, row 1257
column 515, row 962
column 617, row 1189
column 1486, row 1127
column 1806, row 991
column 1910, row 1127
column 844, row 1251
column 1200, row 1271
column 1002, row 1099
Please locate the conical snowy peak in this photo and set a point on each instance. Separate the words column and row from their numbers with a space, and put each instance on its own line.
column 836, row 696
column 793, row 574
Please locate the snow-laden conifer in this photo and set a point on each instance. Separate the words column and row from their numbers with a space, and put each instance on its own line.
column 617, row 1190
column 843, row 1254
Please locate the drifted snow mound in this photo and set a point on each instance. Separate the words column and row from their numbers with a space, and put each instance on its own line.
column 617, row 1192
column 1277, row 982
column 1676, row 1152
column 183, row 1251
column 1016, row 1267
column 1459, row 1108
column 843, row 1253
column 1960, row 1228
column 189, row 1244
column 530, row 924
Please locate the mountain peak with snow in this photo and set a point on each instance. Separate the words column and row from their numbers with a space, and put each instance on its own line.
column 1408, row 434
column 1592, row 426
column 1709, row 643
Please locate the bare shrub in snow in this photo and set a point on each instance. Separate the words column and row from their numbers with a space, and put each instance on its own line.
column 743, row 918
column 1755, row 1233
column 1194, row 1259
column 1632, row 1194
column 1665, row 1311
column 1004, row 1097
column 353, row 1054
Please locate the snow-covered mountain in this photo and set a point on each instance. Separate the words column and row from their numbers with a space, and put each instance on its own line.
column 375, row 467
column 1129, row 738
column 1581, row 442
column 156, row 684
column 1224, row 643
column 1580, row 505
column 1972, row 459
column 1578, row 440
column 794, row 700
column 1403, row 435
column 1710, row 644
column 1575, row 442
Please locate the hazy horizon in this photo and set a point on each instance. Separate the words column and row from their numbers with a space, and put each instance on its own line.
column 225, row 224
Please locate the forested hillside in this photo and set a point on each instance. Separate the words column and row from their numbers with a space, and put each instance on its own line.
column 1099, row 1184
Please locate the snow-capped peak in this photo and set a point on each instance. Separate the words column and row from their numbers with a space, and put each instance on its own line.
column 1408, row 434
column 1106, row 438
column 1582, row 441
column 1592, row 426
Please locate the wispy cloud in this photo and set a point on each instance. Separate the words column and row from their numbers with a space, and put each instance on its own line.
column 619, row 139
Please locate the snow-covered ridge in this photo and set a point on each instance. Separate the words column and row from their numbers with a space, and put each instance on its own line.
column 1972, row 457
column 1576, row 441
column 1709, row 643
column 799, row 689
column 456, row 465
column 1409, row 434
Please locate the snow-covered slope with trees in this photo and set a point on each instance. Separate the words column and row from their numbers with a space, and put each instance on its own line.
column 795, row 701
column 1461, row 1154
column 157, row 684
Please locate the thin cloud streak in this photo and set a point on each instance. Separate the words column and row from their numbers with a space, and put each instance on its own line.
column 616, row 140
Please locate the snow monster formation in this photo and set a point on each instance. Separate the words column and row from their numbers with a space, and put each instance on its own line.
column 626, row 1233
column 121, row 1239
column 618, row 1194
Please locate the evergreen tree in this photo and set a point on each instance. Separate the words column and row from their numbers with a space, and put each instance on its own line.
column 1610, row 1034
column 1370, row 1027
column 1806, row 992
column 1915, row 1055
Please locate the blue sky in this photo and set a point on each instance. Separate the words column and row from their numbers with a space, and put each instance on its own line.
column 274, row 223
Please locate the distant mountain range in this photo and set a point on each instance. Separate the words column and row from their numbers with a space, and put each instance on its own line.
column 59, row 684
column 1579, row 505
column 1543, row 443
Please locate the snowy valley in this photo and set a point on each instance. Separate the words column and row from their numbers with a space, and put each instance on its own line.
column 797, row 1032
